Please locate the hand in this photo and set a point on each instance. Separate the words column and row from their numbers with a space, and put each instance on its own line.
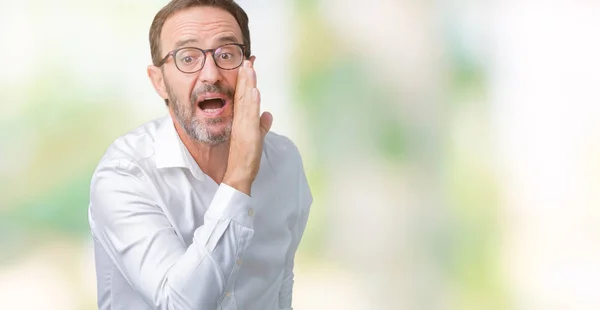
column 248, row 131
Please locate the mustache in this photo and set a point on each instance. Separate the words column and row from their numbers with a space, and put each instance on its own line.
column 210, row 88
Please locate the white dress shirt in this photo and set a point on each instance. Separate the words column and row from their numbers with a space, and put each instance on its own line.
column 166, row 236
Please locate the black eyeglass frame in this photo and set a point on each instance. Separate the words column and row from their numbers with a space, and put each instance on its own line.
column 212, row 51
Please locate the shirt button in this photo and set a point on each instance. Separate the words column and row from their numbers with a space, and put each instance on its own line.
column 239, row 261
column 227, row 294
column 251, row 212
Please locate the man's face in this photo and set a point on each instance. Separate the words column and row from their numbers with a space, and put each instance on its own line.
column 206, row 121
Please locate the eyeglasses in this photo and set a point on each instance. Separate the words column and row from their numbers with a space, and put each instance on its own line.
column 192, row 59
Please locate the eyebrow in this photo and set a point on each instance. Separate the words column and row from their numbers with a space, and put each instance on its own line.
column 221, row 40
column 227, row 39
column 185, row 42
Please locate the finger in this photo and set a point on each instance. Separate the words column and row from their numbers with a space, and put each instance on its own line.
column 246, row 78
column 255, row 105
column 241, row 80
column 251, row 75
column 266, row 120
column 241, row 88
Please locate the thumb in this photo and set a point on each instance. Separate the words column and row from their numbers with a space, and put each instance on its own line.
column 266, row 120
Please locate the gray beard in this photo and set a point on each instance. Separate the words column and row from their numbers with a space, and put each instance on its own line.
column 195, row 127
column 199, row 131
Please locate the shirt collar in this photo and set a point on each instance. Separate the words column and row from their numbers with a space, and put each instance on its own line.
column 171, row 152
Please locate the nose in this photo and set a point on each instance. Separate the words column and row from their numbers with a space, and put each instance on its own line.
column 210, row 73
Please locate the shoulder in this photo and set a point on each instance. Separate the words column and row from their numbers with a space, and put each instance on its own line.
column 136, row 144
column 285, row 159
column 282, row 155
column 280, row 147
column 129, row 152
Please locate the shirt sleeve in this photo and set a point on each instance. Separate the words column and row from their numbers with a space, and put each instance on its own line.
column 129, row 224
column 304, row 202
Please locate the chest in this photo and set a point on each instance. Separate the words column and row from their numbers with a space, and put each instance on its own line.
column 274, row 202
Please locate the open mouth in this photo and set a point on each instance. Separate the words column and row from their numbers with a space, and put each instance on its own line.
column 211, row 105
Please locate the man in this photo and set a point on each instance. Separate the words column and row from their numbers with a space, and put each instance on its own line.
column 205, row 208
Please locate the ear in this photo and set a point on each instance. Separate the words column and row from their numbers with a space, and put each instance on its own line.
column 158, row 81
column 252, row 59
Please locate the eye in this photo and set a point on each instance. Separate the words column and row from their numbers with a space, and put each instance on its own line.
column 187, row 57
column 188, row 60
column 225, row 56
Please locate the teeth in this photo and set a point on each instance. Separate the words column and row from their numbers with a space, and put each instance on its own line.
column 211, row 110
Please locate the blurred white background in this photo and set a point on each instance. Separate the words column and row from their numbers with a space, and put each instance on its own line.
column 452, row 147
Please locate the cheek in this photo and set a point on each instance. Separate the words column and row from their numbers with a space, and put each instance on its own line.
column 182, row 86
column 230, row 79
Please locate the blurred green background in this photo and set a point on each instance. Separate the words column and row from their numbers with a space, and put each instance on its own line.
column 452, row 147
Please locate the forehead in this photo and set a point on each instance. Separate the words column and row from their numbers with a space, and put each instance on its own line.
column 204, row 26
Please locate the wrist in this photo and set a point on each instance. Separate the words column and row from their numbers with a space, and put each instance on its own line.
column 240, row 183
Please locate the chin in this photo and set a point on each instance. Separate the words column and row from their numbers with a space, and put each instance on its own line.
column 212, row 133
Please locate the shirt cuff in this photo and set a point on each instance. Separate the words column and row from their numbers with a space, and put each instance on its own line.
column 229, row 203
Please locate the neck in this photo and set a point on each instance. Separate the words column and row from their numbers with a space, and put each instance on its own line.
column 212, row 159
